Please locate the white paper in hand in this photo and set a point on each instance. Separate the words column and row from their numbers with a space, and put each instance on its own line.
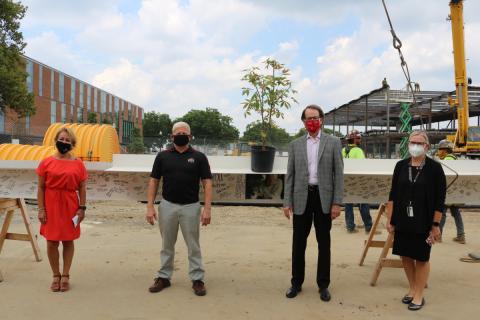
column 75, row 221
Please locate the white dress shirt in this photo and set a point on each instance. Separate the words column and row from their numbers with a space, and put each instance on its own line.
column 312, row 156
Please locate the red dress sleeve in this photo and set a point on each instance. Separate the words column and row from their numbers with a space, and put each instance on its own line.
column 42, row 167
column 83, row 171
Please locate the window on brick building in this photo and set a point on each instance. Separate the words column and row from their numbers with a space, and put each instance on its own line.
column 52, row 84
column 40, row 80
column 95, row 100
column 89, row 97
column 71, row 113
column 61, row 86
column 72, row 92
column 53, row 111
column 103, row 98
column 64, row 113
column 2, row 122
column 80, row 95
column 80, row 115
column 29, row 69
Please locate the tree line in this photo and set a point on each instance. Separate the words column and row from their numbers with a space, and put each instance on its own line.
column 210, row 125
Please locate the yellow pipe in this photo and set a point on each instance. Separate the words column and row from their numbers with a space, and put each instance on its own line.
column 14, row 152
column 34, row 154
column 50, row 134
column 3, row 146
column 94, row 143
column 24, row 152
column 5, row 151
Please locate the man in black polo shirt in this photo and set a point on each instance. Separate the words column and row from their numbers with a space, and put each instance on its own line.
column 182, row 168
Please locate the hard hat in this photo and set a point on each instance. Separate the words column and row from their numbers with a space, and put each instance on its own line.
column 354, row 134
column 445, row 144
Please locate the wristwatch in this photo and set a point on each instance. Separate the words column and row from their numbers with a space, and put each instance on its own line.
column 436, row 224
column 82, row 207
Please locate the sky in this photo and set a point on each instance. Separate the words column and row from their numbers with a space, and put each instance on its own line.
column 171, row 56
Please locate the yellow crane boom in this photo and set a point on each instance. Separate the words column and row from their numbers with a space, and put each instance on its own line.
column 461, row 84
column 467, row 138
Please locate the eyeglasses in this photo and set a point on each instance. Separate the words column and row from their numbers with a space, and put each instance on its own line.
column 417, row 143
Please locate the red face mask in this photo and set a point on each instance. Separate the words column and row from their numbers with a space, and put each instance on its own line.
column 312, row 125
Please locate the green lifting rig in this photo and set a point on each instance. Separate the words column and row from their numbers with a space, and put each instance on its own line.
column 405, row 98
column 405, row 127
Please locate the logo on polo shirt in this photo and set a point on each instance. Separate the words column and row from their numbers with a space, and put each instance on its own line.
column 191, row 160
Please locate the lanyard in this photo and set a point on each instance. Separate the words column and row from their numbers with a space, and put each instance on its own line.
column 418, row 172
column 415, row 179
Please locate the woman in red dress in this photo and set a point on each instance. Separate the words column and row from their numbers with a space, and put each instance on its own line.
column 60, row 177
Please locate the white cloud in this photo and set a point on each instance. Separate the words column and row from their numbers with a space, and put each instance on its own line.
column 356, row 64
column 287, row 51
column 67, row 14
column 172, row 56
column 128, row 79
column 168, row 20
column 48, row 48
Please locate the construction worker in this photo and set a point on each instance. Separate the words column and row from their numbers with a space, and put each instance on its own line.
column 353, row 151
column 445, row 152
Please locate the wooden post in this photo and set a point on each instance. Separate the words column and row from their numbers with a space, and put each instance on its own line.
column 9, row 206
column 383, row 261
column 30, row 236
column 370, row 242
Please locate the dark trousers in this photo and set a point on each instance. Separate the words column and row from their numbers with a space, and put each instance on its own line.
column 301, row 229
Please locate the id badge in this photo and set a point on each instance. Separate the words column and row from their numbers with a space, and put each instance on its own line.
column 410, row 211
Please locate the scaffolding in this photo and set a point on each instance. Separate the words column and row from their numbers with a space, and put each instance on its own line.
column 384, row 122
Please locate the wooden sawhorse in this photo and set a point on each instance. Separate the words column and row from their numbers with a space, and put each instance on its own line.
column 9, row 206
column 383, row 261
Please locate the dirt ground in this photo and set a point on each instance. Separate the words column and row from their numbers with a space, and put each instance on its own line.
column 246, row 254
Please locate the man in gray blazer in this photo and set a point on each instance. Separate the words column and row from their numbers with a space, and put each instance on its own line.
column 313, row 192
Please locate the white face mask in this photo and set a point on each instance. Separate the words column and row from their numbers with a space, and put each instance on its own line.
column 416, row 150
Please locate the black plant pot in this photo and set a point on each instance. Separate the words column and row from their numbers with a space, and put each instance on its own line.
column 262, row 158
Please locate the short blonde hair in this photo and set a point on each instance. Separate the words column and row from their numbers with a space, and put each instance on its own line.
column 70, row 133
column 421, row 133
column 181, row 124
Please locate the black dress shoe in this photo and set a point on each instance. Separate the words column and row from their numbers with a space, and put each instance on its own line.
column 414, row 307
column 325, row 294
column 407, row 300
column 293, row 291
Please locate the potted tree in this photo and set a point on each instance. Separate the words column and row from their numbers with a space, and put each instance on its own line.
column 267, row 94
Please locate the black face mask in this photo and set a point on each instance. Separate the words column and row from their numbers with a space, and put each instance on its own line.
column 63, row 147
column 180, row 140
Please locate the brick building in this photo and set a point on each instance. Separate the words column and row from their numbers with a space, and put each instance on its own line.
column 63, row 98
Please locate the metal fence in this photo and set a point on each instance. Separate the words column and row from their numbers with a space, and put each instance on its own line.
column 211, row 147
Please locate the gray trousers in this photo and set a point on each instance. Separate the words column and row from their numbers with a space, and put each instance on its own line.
column 170, row 216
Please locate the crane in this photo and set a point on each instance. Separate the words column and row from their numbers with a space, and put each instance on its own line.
column 464, row 141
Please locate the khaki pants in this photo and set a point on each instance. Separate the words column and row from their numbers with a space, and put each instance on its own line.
column 170, row 216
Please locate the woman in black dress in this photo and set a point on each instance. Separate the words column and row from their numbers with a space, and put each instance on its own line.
column 415, row 205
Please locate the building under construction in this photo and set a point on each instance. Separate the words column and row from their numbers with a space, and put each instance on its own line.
column 385, row 116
